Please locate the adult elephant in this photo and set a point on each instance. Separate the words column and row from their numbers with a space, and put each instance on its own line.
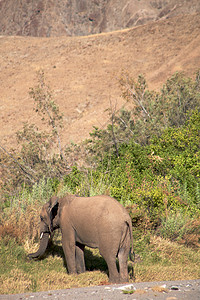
column 97, row 222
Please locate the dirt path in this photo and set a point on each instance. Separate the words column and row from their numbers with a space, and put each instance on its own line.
column 168, row 290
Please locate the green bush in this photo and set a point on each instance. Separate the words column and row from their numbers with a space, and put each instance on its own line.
column 153, row 111
column 174, row 226
column 178, row 151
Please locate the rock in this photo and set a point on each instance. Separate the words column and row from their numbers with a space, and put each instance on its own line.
column 78, row 17
column 127, row 287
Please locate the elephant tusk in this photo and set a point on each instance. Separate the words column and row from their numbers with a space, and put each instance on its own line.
column 41, row 235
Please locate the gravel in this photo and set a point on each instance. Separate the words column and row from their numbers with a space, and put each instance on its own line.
column 168, row 290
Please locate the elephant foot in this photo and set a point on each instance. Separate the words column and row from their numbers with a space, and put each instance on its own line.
column 119, row 280
column 80, row 271
column 115, row 279
column 124, row 280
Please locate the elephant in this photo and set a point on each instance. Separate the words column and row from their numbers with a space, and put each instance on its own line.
column 96, row 222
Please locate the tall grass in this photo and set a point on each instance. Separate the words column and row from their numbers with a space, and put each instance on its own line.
column 39, row 192
column 95, row 184
column 174, row 226
column 20, row 220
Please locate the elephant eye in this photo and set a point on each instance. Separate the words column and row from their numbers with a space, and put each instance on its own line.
column 41, row 218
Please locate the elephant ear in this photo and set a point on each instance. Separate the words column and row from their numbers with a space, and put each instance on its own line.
column 53, row 210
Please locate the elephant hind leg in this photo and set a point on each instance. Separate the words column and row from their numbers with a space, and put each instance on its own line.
column 123, row 257
column 112, row 266
column 112, row 269
column 123, row 265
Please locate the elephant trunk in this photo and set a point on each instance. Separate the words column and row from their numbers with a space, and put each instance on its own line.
column 43, row 246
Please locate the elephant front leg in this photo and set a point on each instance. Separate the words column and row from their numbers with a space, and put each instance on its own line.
column 80, row 261
column 68, row 245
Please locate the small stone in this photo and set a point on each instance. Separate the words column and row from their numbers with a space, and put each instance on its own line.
column 127, row 287
column 161, row 289
column 174, row 288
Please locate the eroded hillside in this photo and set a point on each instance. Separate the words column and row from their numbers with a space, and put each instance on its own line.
column 44, row 18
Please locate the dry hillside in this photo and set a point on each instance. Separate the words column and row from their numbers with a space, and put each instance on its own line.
column 83, row 72
column 45, row 18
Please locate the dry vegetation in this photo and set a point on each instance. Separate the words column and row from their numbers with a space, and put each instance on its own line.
column 161, row 260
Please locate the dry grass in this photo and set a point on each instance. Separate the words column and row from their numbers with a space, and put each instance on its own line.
column 192, row 237
column 16, row 281
column 47, row 281
column 169, row 261
column 159, row 273
column 171, row 251
column 55, row 280
column 162, row 260
column 20, row 225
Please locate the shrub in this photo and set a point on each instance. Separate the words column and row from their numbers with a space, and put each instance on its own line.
column 179, row 151
column 155, row 111
column 173, row 226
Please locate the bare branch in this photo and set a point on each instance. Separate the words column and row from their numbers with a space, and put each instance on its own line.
column 113, row 133
column 136, row 98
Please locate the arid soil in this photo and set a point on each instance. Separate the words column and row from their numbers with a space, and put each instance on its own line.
column 83, row 72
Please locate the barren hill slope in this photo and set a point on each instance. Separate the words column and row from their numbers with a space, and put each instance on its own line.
column 44, row 18
column 83, row 72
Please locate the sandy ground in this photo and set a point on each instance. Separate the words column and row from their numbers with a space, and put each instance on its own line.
column 168, row 290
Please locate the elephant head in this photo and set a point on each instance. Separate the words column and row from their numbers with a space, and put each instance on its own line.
column 48, row 222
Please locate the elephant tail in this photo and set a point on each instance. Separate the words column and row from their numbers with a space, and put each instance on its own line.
column 131, row 251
